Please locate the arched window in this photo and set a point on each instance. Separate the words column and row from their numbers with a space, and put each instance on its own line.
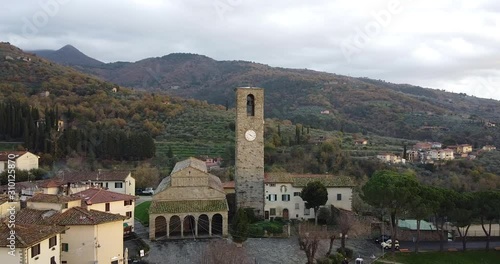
column 250, row 105
column 283, row 188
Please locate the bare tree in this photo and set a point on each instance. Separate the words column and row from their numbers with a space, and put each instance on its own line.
column 310, row 237
column 345, row 223
column 224, row 252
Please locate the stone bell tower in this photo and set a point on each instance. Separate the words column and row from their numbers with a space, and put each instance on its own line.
column 249, row 178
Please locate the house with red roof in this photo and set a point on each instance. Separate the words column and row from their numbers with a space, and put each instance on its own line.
column 111, row 202
column 90, row 236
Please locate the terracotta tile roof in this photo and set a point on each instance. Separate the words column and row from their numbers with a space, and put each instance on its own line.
column 327, row 180
column 28, row 235
column 193, row 206
column 301, row 180
column 52, row 198
column 80, row 176
column 4, row 156
column 228, row 185
column 4, row 198
column 278, row 177
column 34, row 217
column 82, row 216
column 96, row 196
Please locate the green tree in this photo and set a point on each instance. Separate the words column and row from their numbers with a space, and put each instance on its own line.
column 315, row 195
column 392, row 192
column 488, row 206
column 146, row 176
column 463, row 214
column 422, row 207
column 240, row 226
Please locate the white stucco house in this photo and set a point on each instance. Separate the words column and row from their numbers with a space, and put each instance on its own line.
column 111, row 202
column 31, row 244
column 24, row 160
column 282, row 194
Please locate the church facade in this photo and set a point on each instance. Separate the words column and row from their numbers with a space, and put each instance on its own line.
column 189, row 203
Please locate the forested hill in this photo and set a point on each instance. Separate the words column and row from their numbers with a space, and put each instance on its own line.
column 58, row 111
column 318, row 99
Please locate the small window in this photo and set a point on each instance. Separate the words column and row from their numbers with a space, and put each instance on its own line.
column 297, row 206
column 35, row 250
column 129, row 214
column 272, row 197
column 107, row 207
column 127, row 202
column 65, row 247
column 52, row 241
column 118, row 185
column 339, row 196
column 285, row 197
column 307, row 211
column 250, row 105
column 272, row 211
column 53, row 260
column 283, row 188
column 272, row 184
column 296, row 194
column 107, row 186
column 65, row 206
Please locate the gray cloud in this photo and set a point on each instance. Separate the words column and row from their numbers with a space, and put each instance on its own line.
column 448, row 44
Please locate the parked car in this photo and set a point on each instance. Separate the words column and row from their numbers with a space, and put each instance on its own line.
column 148, row 191
column 388, row 244
column 381, row 238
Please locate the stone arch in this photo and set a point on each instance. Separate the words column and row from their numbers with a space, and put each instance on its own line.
column 217, row 224
column 203, row 225
column 160, row 226
column 174, row 226
column 189, row 226
column 250, row 105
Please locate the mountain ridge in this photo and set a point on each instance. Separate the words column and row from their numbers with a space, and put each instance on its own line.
column 68, row 55
column 316, row 99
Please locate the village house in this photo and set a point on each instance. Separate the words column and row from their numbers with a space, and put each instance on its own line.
column 282, row 194
column 445, row 154
column 389, row 158
column 111, row 202
column 489, row 148
column 90, row 237
column 361, row 141
column 5, row 205
column 461, row 149
column 54, row 202
column 189, row 203
column 25, row 160
column 33, row 244
column 115, row 181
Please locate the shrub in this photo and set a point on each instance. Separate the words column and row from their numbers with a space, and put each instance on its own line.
column 240, row 226
column 324, row 260
column 255, row 231
column 346, row 252
column 336, row 258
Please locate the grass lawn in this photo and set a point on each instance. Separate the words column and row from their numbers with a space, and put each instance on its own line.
column 468, row 257
column 141, row 213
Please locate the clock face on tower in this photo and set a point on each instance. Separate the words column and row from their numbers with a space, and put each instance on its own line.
column 250, row 135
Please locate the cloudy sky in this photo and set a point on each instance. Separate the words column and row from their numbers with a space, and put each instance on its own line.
column 444, row 44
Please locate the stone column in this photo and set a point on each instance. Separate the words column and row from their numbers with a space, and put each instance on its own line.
column 151, row 228
column 182, row 226
column 168, row 225
column 210, row 225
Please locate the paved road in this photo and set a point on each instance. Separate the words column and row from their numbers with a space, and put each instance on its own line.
column 259, row 250
column 434, row 246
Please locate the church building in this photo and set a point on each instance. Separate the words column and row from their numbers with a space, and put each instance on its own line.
column 190, row 203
